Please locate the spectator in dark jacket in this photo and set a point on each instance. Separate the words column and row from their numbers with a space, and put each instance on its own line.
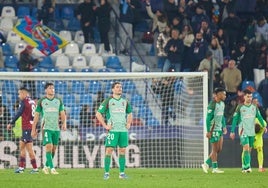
column 245, row 60
column 174, row 50
column 231, row 26
column 47, row 11
column 126, row 19
column 103, row 15
column 196, row 53
column 87, row 17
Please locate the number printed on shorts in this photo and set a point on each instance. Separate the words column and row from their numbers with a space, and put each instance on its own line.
column 215, row 134
column 46, row 136
column 110, row 136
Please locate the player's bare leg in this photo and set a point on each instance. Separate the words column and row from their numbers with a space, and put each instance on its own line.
column 214, row 157
column 29, row 148
column 22, row 158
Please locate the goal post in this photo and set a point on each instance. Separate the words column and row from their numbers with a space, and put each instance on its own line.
column 168, row 129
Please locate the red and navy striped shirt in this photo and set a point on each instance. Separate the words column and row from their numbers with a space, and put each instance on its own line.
column 26, row 111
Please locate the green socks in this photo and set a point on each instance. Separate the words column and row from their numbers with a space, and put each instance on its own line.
column 49, row 162
column 122, row 163
column 107, row 163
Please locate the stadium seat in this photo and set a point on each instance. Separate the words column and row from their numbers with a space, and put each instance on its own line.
column 9, row 99
column 9, row 87
column 13, row 37
column 88, row 49
column 67, row 35
column 104, row 70
column 69, row 100
column 86, row 70
column 79, row 37
column 36, row 69
column 79, row 62
column 78, row 87
column 113, row 62
column 120, row 70
column 108, row 86
column 94, row 86
column 62, row 62
column 75, row 112
column 53, row 70
column 6, row 24
column 15, row 70
column 23, row 11
column 71, row 50
column 40, row 87
column 3, row 69
column 11, row 61
column 19, row 47
column 137, row 100
column 34, row 12
column 7, row 51
column 152, row 122
column 61, row 87
column 247, row 83
column 144, row 112
column 70, row 70
column 129, row 86
column 67, row 12
column 8, row 11
column 86, row 99
column 46, row 63
column 55, row 54
column 96, row 62
column 73, row 24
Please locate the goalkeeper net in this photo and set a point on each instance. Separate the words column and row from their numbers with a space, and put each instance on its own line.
column 168, row 126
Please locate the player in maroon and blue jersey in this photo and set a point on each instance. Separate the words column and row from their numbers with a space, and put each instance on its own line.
column 26, row 111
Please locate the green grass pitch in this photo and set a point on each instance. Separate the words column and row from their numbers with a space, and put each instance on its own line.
column 138, row 178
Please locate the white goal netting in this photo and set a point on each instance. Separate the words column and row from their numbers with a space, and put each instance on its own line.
column 167, row 129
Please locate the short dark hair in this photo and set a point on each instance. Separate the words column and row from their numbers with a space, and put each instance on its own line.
column 48, row 84
column 23, row 88
column 115, row 83
column 218, row 89
column 247, row 91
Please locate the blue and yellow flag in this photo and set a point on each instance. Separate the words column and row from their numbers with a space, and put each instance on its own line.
column 39, row 36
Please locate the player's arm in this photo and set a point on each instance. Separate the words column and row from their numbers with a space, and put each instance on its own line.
column 102, row 121
column 101, row 110
column 35, row 121
column 210, row 116
column 129, row 115
column 62, row 116
column 63, row 120
column 224, row 125
column 17, row 115
column 236, row 118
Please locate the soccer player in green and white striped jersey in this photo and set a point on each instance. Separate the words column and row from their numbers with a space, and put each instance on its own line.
column 216, row 127
column 244, row 117
column 51, row 109
column 118, row 115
